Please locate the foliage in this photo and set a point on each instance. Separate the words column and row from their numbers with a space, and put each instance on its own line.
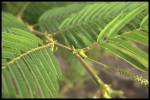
column 8, row 21
column 32, row 69
column 29, row 66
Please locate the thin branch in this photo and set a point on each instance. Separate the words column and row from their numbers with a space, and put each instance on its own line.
column 63, row 46
column 139, row 79
column 31, row 29
column 90, row 47
column 19, row 15
column 41, row 34
column 91, row 71
column 104, row 65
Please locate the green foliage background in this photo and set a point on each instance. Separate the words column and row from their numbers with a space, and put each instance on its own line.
column 31, row 70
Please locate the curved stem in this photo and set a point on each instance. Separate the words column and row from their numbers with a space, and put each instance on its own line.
column 41, row 34
column 90, row 70
column 22, row 10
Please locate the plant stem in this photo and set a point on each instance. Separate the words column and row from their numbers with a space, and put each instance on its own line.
column 19, row 15
column 63, row 46
column 104, row 65
column 41, row 34
column 91, row 71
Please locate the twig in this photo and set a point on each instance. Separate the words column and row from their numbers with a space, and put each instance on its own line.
column 63, row 46
column 104, row 65
column 41, row 34
column 19, row 15
column 142, row 81
column 91, row 71
column 31, row 29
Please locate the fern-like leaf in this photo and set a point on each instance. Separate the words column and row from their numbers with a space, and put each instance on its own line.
column 81, row 28
column 8, row 21
column 137, row 36
column 52, row 18
column 16, row 41
column 122, row 47
column 33, row 75
column 29, row 71
column 144, row 23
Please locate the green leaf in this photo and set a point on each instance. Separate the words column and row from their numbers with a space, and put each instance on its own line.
column 87, row 19
column 28, row 71
column 39, row 8
column 144, row 23
column 34, row 75
column 108, row 27
column 137, row 36
column 118, row 23
column 135, row 52
column 31, row 11
column 16, row 41
column 93, row 18
column 9, row 21
column 51, row 19
column 132, row 55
